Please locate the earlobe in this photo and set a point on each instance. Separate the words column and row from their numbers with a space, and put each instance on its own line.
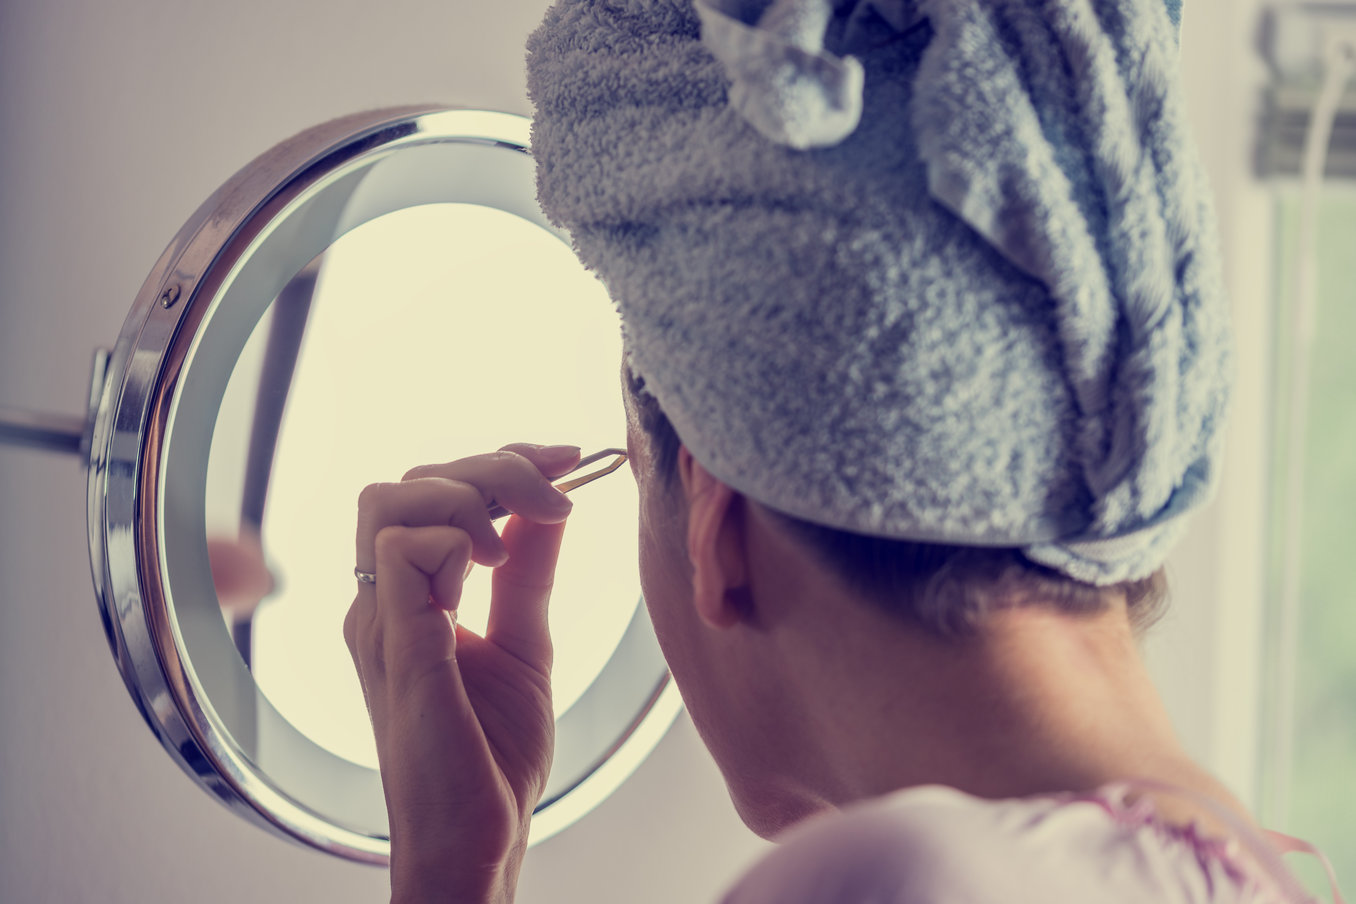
column 715, row 545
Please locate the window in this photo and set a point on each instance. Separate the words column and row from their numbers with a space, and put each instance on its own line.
column 1309, row 741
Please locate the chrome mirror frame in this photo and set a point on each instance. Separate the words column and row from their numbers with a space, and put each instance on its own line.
column 147, row 457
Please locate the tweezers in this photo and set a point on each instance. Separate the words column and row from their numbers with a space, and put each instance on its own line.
column 618, row 456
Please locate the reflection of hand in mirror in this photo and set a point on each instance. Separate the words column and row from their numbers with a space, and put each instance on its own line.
column 239, row 573
column 464, row 726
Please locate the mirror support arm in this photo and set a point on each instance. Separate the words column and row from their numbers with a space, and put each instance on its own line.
column 41, row 430
column 51, row 432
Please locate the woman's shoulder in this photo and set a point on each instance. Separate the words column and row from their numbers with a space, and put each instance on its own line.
column 935, row 843
column 903, row 847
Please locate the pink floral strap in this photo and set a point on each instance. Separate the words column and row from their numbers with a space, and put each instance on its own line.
column 1288, row 844
column 1265, row 848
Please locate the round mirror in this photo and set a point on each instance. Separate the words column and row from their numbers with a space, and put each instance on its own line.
column 376, row 293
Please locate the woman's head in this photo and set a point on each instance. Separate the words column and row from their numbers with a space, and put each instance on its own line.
column 907, row 308
column 788, row 639
column 924, row 298
column 945, row 589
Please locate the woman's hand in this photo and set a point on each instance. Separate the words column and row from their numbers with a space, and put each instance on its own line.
column 463, row 724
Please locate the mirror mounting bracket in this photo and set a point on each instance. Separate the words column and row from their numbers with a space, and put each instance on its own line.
column 51, row 432
column 41, row 430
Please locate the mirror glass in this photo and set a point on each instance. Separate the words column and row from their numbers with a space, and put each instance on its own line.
column 424, row 335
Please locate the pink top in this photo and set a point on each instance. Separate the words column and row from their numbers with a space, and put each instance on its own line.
column 937, row 845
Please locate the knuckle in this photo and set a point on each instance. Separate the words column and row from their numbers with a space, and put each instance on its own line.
column 458, row 540
column 371, row 496
column 359, row 621
column 351, row 629
column 507, row 458
column 524, row 472
column 469, row 495
column 389, row 540
column 418, row 472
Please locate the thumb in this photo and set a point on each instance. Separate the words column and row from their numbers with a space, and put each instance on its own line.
column 521, row 591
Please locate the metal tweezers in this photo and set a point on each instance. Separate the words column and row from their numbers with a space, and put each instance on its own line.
column 618, row 459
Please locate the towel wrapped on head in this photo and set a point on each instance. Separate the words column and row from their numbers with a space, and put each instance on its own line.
column 942, row 271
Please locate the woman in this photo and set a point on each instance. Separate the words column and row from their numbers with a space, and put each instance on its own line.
column 925, row 363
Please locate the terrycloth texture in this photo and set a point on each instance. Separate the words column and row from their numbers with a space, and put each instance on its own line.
column 975, row 301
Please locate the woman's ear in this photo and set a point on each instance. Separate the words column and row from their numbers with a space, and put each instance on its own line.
column 715, row 545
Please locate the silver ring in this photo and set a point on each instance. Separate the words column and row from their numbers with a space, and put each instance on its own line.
column 364, row 577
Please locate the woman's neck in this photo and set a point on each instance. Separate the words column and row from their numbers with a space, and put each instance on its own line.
column 1036, row 702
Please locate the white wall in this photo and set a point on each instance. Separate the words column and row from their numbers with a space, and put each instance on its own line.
column 116, row 120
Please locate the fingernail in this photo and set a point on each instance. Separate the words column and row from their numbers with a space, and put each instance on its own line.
column 558, row 453
column 560, row 503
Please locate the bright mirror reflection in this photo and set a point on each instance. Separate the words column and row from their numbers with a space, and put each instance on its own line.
column 432, row 333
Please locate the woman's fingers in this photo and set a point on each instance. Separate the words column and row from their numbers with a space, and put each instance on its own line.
column 465, row 740
column 426, row 502
column 516, row 477
column 552, row 461
column 416, row 564
column 460, row 492
column 521, row 590
column 422, row 534
column 419, row 565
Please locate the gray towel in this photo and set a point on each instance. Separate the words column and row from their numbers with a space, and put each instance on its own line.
column 942, row 271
